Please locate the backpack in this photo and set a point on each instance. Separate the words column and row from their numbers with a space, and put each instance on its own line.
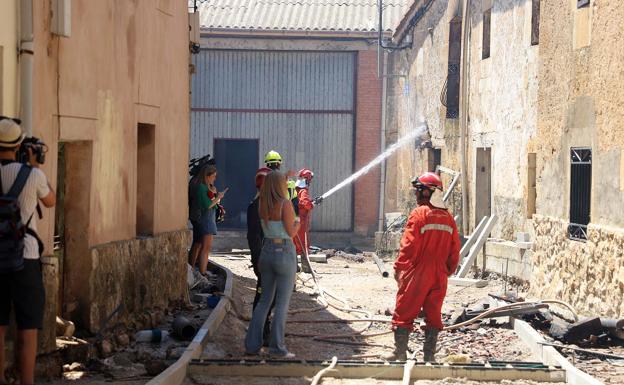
column 12, row 229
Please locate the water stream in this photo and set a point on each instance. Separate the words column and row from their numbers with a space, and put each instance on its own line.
column 409, row 138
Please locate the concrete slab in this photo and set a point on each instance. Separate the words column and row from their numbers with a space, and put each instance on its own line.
column 492, row 371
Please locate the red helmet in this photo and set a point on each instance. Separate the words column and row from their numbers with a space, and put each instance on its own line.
column 428, row 179
column 260, row 174
column 306, row 174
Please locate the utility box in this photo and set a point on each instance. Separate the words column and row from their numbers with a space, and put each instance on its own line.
column 61, row 18
column 194, row 27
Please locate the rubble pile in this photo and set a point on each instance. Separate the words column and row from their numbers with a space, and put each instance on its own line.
column 147, row 347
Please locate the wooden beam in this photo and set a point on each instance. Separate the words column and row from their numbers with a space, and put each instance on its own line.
column 472, row 239
column 474, row 250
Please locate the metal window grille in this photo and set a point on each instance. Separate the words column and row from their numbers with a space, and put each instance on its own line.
column 582, row 3
column 580, row 192
column 535, row 19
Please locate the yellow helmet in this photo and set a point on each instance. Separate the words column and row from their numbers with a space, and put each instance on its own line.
column 272, row 157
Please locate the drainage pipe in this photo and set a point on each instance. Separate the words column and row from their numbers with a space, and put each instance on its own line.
column 463, row 124
column 26, row 58
column 380, row 265
column 382, row 178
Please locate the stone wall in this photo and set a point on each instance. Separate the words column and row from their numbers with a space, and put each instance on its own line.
column 589, row 275
column 139, row 274
column 581, row 70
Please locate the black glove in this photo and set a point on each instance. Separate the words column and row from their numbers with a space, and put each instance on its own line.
column 317, row 200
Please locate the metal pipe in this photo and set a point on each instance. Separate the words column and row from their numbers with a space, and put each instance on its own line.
column 463, row 126
column 612, row 323
column 380, row 32
column 26, row 53
column 382, row 178
column 183, row 328
column 380, row 265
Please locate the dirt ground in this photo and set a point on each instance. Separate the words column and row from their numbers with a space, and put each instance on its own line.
column 359, row 282
column 608, row 370
column 361, row 285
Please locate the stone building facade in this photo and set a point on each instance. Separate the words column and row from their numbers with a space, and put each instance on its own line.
column 544, row 112
column 579, row 244
column 501, row 103
column 110, row 97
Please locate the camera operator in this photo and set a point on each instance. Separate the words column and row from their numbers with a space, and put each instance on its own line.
column 22, row 286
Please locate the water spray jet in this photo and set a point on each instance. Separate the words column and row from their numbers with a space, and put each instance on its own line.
column 416, row 133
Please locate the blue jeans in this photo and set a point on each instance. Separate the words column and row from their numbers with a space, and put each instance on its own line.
column 278, row 267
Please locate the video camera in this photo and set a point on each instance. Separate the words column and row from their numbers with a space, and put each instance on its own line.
column 196, row 164
column 36, row 145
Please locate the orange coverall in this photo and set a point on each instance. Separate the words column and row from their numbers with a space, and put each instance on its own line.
column 305, row 207
column 429, row 254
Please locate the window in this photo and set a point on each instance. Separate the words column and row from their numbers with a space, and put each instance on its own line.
column 582, row 3
column 146, row 179
column 487, row 21
column 453, row 77
column 535, row 19
column 580, row 192
column 531, row 185
column 434, row 158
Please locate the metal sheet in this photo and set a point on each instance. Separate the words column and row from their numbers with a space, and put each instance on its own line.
column 317, row 15
column 297, row 103
column 273, row 80
column 326, row 148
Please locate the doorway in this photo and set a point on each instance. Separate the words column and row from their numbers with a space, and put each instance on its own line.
column 72, row 229
column 483, row 181
column 237, row 162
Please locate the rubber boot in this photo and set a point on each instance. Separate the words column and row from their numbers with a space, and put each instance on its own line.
column 401, row 337
column 429, row 348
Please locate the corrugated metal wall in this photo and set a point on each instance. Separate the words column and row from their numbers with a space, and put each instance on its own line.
column 297, row 103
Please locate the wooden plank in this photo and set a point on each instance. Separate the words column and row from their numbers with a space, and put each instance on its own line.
column 472, row 239
column 474, row 250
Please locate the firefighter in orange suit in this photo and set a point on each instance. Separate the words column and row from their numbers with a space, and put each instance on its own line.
column 305, row 206
column 429, row 254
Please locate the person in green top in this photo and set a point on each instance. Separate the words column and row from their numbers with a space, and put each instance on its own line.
column 208, row 198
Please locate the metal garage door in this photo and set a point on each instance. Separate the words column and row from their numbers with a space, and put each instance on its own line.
column 300, row 104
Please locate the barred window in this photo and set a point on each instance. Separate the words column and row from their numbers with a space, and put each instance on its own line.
column 580, row 192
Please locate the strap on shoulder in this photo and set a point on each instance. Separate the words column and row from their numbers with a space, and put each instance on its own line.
column 20, row 181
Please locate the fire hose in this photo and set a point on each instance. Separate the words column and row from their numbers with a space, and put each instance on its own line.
column 323, row 295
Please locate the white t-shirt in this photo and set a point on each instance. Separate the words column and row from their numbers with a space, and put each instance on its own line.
column 36, row 187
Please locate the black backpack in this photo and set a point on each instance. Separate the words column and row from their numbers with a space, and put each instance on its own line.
column 12, row 229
